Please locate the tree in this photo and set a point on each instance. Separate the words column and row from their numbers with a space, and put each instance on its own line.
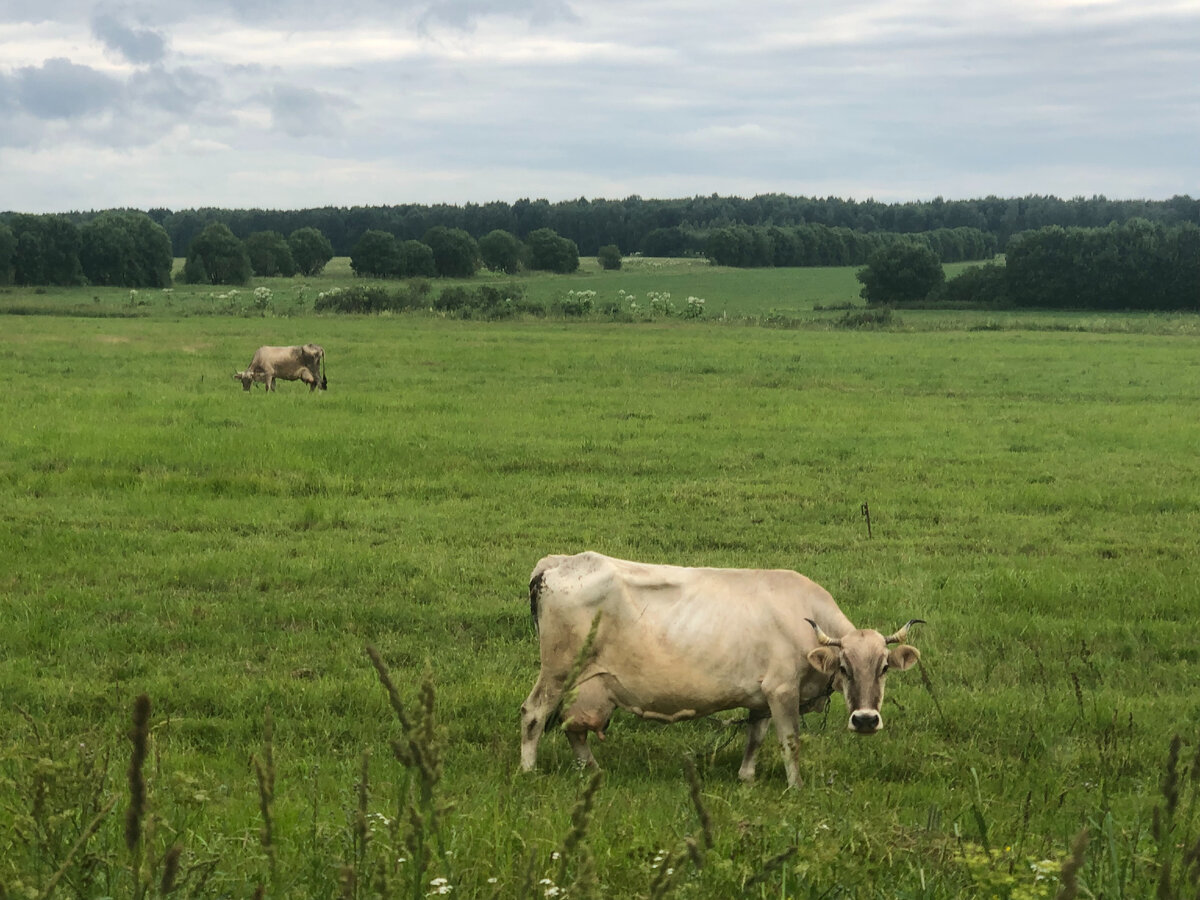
column 377, row 254
column 551, row 253
column 311, row 250
column 106, row 252
column 610, row 257
column 455, row 253
column 900, row 272
column 270, row 254
column 216, row 256
column 8, row 248
column 47, row 250
column 984, row 285
column 501, row 251
column 127, row 249
column 416, row 260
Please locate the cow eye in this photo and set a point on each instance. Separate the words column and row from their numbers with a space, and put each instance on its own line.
column 883, row 671
column 845, row 671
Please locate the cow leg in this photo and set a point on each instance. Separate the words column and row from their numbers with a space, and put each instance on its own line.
column 535, row 711
column 591, row 711
column 308, row 378
column 756, row 731
column 785, row 712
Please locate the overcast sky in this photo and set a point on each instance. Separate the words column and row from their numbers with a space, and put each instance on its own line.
column 298, row 103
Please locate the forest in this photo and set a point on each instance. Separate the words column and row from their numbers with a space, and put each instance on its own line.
column 670, row 227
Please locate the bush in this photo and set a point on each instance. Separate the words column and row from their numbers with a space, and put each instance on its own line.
column 901, row 272
column 870, row 318
column 216, row 256
column 609, row 257
column 311, row 250
column 376, row 254
column 485, row 302
column 575, row 303
column 551, row 253
column 270, row 254
column 373, row 298
column 455, row 253
column 977, row 286
column 501, row 251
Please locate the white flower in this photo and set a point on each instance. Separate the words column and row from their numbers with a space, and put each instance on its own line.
column 492, row 880
column 553, row 891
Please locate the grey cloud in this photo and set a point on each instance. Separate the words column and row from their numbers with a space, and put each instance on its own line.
column 463, row 14
column 178, row 91
column 303, row 112
column 138, row 45
column 60, row 89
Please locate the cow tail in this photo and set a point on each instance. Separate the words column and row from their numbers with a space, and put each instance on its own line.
column 535, row 591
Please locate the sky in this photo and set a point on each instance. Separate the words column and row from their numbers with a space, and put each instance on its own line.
column 290, row 104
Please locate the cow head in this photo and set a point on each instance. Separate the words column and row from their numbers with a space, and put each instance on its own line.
column 245, row 378
column 858, row 663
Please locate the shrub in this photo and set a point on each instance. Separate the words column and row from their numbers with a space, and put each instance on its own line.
column 609, row 257
column 216, row 256
column 575, row 303
column 977, row 286
column 550, row 252
column 485, row 302
column 869, row 318
column 901, row 272
column 311, row 250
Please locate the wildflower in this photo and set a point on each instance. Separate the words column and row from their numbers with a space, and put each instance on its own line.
column 493, row 880
column 556, row 855
column 440, row 886
column 1044, row 870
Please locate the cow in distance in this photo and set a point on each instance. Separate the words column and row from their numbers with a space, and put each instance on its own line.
column 306, row 363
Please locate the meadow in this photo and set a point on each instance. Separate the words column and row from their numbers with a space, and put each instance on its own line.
column 1034, row 494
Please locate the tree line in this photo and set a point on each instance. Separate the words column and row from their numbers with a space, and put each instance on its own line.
column 1135, row 265
column 672, row 227
column 818, row 245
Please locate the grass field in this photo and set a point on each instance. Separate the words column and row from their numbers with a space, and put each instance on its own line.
column 1034, row 495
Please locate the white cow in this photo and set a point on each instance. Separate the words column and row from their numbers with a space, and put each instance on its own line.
column 306, row 363
column 674, row 643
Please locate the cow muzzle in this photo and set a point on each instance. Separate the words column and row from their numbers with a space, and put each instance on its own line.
column 865, row 721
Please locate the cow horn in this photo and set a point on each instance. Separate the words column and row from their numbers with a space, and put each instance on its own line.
column 822, row 636
column 902, row 632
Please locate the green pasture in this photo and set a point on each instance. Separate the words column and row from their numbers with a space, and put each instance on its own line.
column 1034, row 494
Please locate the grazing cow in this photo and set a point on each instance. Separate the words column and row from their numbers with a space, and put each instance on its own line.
column 305, row 364
column 673, row 643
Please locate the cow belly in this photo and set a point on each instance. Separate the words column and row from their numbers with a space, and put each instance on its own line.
column 655, row 695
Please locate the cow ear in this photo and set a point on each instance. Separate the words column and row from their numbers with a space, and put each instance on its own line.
column 903, row 657
column 824, row 659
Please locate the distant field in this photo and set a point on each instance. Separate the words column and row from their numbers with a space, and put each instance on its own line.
column 1034, row 495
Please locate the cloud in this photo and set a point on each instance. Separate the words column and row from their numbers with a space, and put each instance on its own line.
column 465, row 14
column 59, row 89
column 141, row 45
column 302, row 112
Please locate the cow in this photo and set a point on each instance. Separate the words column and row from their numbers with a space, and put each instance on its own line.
column 669, row 643
column 305, row 364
